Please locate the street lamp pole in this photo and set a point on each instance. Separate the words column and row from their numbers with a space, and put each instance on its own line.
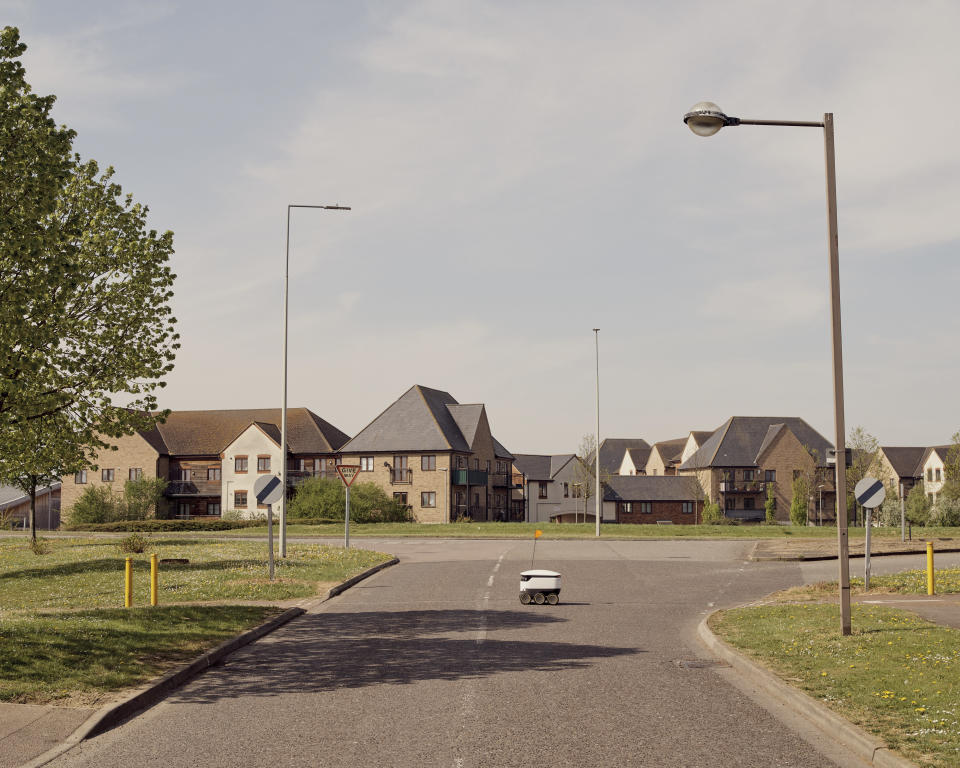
column 599, row 503
column 705, row 119
column 283, row 407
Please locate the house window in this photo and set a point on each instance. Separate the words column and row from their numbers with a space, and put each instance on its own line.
column 646, row 508
column 213, row 473
column 543, row 490
column 428, row 463
column 728, row 475
column 184, row 475
column 936, row 474
column 929, row 475
column 213, row 508
column 240, row 500
column 729, row 504
column 748, row 503
column 240, row 464
column 428, row 499
column 626, row 507
column 81, row 477
column 263, row 463
column 770, row 475
column 476, row 499
column 183, row 509
column 566, row 490
column 748, row 474
column 488, row 466
column 476, row 463
column 461, row 462
column 688, row 507
column 366, row 463
column 135, row 473
column 106, row 475
column 400, row 497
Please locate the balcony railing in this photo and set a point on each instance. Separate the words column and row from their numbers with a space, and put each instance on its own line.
column 401, row 476
column 189, row 488
column 501, row 480
column 469, row 477
column 743, row 486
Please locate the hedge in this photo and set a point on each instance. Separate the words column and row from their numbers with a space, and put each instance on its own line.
column 184, row 525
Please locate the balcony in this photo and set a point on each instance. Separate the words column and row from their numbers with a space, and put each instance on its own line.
column 189, row 489
column 401, row 476
column 468, row 477
column 743, row 486
column 501, row 480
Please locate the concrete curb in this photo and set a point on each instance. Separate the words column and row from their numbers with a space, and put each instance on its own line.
column 141, row 699
column 814, row 558
column 870, row 748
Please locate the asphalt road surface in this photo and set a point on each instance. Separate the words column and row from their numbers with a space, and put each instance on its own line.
column 435, row 662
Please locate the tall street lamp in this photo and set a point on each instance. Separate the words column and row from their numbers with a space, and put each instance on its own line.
column 283, row 407
column 596, row 339
column 705, row 119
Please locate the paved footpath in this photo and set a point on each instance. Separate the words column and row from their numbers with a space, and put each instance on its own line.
column 434, row 662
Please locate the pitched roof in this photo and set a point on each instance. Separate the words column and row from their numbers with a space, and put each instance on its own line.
column 738, row 441
column 904, row 459
column 772, row 431
column 650, row 488
column 206, row 433
column 639, row 456
column 11, row 496
column 467, row 418
column 940, row 450
column 612, row 449
column 419, row 420
column 534, row 466
column 670, row 450
column 558, row 461
column 499, row 450
column 700, row 436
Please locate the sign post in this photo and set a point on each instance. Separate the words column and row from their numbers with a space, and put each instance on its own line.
column 269, row 490
column 870, row 494
column 348, row 473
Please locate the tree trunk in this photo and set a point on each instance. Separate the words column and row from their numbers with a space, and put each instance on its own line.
column 33, row 510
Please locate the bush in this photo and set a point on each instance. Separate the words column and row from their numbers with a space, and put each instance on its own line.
column 163, row 525
column 946, row 512
column 713, row 514
column 141, row 498
column 40, row 546
column 770, row 506
column 133, row 543
column 918, row 506
column 95, row 505
column 325, row 498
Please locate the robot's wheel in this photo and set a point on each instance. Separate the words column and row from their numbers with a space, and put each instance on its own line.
column 539, row 599
column 525, row 598
column 552, row 599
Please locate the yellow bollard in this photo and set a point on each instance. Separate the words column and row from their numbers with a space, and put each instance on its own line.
column 930, row 583
column 154, row 592
column 128, row 584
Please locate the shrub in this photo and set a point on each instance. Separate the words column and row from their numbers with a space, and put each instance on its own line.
column 95, row 505
column 713, row 514
column 946, row 512
column 141, row 498
column 770, row 506
column 325, row 498
column 800, row 502
column 133, row 543
column 163, row 525
column 918, row 506
column 40, row 546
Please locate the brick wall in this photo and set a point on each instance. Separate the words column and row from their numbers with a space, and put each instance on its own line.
column 435, row 480
column 661, row 510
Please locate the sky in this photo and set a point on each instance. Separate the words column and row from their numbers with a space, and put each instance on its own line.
column 519, row 174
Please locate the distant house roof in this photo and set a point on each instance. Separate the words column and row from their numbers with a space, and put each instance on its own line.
column 739, row 441
column 905, row 460
column 701, row 436
column 500, row 451
column 612, row 450
column 11, row 496
column 537, row 466
column 941, row 450
column 206, row 433
column 650, row 488
column 670, row 450
column 639, row 456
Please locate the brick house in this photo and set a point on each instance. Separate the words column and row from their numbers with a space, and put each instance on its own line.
column 436, row 456
column 188, row 450
column 748, row 454
column 652, row 499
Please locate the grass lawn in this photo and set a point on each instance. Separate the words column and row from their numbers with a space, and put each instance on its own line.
column 64, row 635
column 588, row 531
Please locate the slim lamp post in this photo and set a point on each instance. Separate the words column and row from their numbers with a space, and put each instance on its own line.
column 596, row 339
column 283, row 407
column 705, row 119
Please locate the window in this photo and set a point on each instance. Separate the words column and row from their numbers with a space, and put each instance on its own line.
column 566, row 490
column 543, row 490
column 81, row 477
column 729, row 504
column 936, row 474
column 263, row 463
column 476, row 463
column 770, row 475
column 626, row 507
column 688, row 507
column 106, row 475
column 476, row 499
column 488, row 466
column 366, row 463
column 240, row 500
column 428, row 463
column 213, row 473
column 184, row 475
column 135, row 473
column 748, row 503
column 728, row 475
column 240, row 464
column 213, row 508
column 577, row 490
column 646, row 508
column 428, row 499
column 929, row 475
column 461, row 462
column 400, row 497
column 183, row 509
column 748, row 474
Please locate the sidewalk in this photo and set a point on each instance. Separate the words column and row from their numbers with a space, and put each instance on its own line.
column 826, row 549
column 940, row 609
column 28, row 730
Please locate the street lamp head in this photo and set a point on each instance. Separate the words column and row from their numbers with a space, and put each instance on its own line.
column 706, row 118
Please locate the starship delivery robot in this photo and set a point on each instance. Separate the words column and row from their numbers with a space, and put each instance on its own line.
column 539, row 587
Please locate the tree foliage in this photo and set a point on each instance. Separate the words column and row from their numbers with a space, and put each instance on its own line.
column 918, row 506
column 770, row 505
column 800, row 503
column 325, row 498
column 87, row 330
column 864, row 458
column 99, row 504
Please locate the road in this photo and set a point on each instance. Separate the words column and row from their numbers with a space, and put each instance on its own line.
column 434, row 662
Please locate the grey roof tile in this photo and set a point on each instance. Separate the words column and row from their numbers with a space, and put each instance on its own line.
column 737, row 442
column 650, row 488
column 612, row 450
column 904, row 459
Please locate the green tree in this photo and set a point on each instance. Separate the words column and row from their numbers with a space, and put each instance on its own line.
column 325, row 499
column 918, row 506
column 88, row 333
column 800, row 504
column 770, row 505
column 141, row 498
column 96, row 504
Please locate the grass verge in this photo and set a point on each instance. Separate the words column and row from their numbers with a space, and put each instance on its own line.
column 897, row 676
column 65, row 638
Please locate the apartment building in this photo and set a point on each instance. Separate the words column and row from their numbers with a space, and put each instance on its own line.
column 212, row 458
column 437, row 456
